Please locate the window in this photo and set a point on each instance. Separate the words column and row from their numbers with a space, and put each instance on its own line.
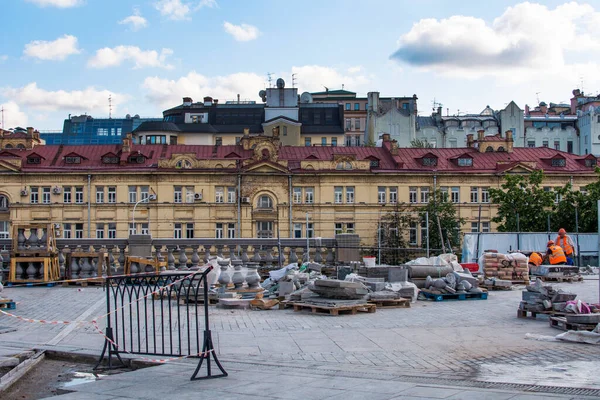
column 557, row 145
column 46, row 195
column 144, row 192
column 424, row 233
column 334, row 142
column 412, row 233
column 474, row 227
column 231, row 231
column 184, row 164
column 265, row 202
column 297, row 195
column 465, row 162
column 99, row 194
column 444, row 192
column 429, row 161
column 412, row 194
column 591, row 162
column 284, row 130
column 219, row 231
column 297, row 231
column 485, row 195
column 177, row 232
column 569, row 146
column 177, row 198
column 78, row 231
column 310, row 230
column 112, row 194
column 455, row 194
column 349, row 227
column 309, row 195
column 348, row 105
column 324, row 141
column 317, row 118
column 137, row 159
column 99, row 231
column 374, row 164
column 338, row 194
column 189, row 194
column 4, row 229
column 132, row 230
column 307, row 142
column 218, row 141
column 474, row 195
column 348, row 124
column 33, row 159
column 338, row 228
column 145, row 228
column 34, row 195
column 349, row 141
column 189, row 230
column 350, row 194
column 453, row 143
column 79, row 195
column 559, row 162
column 112, row 231
column 73, row 160
column 67, row 231
column 133, row 194
column 485, row 227
column 3, row 202
column 357, row 124
column 545, row 143
column 531, row 143
column 424, row 195
column 264, row 229
column 356, row 106
column 231, row 194
column 219, row 194
column 67, row 194
column 381, row 192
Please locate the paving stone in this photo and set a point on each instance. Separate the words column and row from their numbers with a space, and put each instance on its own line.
column 429, row 392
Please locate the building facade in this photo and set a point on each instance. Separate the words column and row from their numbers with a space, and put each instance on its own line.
column 396, row 117
column 260, row 187
column 355, row 112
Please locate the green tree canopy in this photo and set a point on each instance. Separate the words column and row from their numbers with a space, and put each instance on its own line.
column 421, row 144
column 440, row 207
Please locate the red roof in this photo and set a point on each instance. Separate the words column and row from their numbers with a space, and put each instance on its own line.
column 408, row 159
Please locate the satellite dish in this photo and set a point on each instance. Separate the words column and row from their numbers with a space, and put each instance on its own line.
column 128, row 116
column 263, row 95
column 280, row 83
column 306, row 98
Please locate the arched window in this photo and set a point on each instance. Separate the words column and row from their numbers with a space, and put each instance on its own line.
column 20, row 146
column 500, row 149
column 265, row 202
column 489, row 149
column 3, row 202
column 184, row 164
column 8, row 146
column 343, row 165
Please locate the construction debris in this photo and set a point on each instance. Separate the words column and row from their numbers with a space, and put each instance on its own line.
column 544, row 298
column 453, row 283
column 513, row 267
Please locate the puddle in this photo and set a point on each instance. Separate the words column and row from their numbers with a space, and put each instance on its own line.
column 82, row 377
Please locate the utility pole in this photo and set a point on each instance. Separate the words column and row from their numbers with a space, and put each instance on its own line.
column 294, row 80
column 269, row 75
column 110, row 106
column 2, row 110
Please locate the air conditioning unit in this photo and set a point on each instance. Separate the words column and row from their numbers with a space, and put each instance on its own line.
column 56, row 190
column 24, row 192
column 197, row 196
column 246, row 200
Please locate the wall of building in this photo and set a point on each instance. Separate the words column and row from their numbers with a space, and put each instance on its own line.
column 589, row 130
column 553, row 138
column 511, row 118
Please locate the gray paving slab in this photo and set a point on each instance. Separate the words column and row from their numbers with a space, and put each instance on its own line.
column 429, row 392
column 481, row 395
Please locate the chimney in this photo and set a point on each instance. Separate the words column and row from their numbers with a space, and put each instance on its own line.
column 127, row 144
column 386, row 137
column 216, row 101
column 526, row 110
column 373, row 99
column 29, row 131
column 480, row 135
column 470, row 140
column 246, row 131
column 394, row 148
column 187, row 101
column 509, row 141
column 543, row 108
column 208, row 101
column 238, row 98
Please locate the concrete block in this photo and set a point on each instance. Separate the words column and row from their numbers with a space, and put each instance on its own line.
column 286, row 288
column 397, row 274
column 376, row 286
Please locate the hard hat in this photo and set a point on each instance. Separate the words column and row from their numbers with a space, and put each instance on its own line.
column 550, row 243
column 562, row 231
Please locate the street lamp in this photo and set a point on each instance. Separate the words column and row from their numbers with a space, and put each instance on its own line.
column 151, row 197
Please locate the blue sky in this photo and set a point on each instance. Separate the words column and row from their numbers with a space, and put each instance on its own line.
column 60, row 57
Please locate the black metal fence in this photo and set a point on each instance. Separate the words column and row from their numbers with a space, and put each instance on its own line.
column 164, row 315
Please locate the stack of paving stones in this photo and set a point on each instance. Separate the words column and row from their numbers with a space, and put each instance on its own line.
column 540, row 297
column 503, row 266
column 453, row 283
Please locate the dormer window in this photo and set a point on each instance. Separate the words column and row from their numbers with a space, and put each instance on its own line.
column 110, row 159
column 559, row 162
column 465, row 162
column 429, row 161
column 500, row 149
column 184, row 164
column 73, row 160
column 137, row 159
column 591, row 162
column 343, row 165
column 374, row 163
column 489, row 149
column 34, row 160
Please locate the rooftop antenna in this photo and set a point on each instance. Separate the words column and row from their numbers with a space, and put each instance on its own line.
column 110, row 106
column 270, row 79
column 294, row 80
column 537, row 94
column 2, row 110
column 435, row 104
column 581, row 83
column 342, row 86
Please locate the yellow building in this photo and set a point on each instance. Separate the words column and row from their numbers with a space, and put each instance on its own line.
column 259, row 187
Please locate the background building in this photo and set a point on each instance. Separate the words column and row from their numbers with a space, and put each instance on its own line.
column 355, row 112
column 394, row 116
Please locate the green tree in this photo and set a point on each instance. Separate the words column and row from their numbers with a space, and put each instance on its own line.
column 522, row 198
column 421, row 144
column 392, row 234
column 586, row 203
column 439, row 207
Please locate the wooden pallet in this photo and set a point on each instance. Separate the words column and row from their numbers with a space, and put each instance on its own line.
column 534, row 314
column 8, row 304
column 86, row 283
column 569, row 279
column 494, row 287
column 456, row 296
column 391, row 303
column 337, row 310
column 562, row 324
column 30, row 284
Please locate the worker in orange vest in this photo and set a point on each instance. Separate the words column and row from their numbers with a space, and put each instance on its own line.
column 556, row 255
column 566, row 243
column 536, row 259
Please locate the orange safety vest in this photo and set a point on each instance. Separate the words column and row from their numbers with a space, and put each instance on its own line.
column 557, row 256
column 535, row 259
column 568, row 249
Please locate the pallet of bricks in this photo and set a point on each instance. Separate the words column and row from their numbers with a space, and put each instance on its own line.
column 34, row 256
column 511, row 267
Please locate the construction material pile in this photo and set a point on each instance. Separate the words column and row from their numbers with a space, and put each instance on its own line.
column 513, row 267
column 453, row 283
column 540, row 297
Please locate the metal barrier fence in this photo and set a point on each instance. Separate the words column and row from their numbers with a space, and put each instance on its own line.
column 164, row 315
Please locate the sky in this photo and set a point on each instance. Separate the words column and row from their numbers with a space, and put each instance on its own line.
column 61, row 57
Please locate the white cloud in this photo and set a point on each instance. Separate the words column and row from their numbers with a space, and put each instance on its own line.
column 169, row 92
column 136, row 21
column 525, row 40
column 241, row 33
column 112, row 57
column 58, row 49
column 3, row 58
column 13, row 116
column 87, row 100
column 57, row 3
column 182, row 9
column 207, row 4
